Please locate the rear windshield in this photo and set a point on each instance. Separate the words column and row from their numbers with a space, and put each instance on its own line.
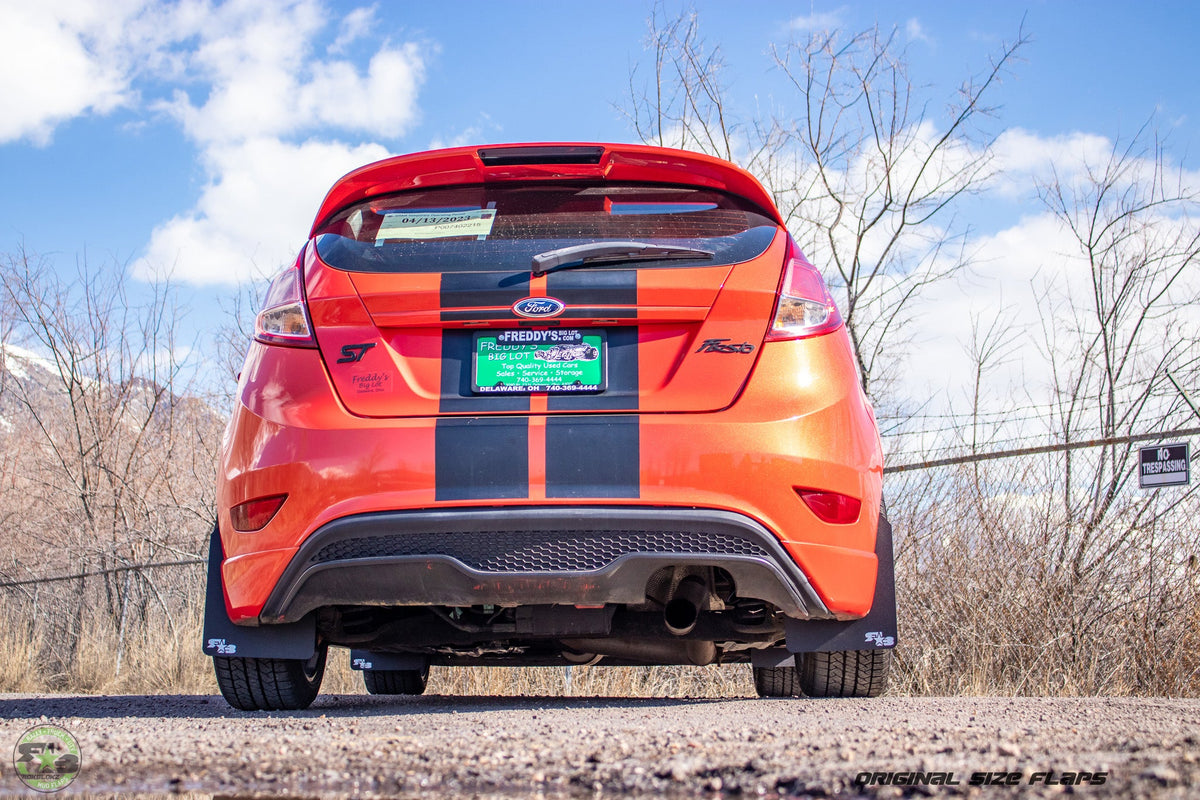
column 472, row 228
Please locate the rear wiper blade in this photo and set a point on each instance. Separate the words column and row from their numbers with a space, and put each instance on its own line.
column 610, row 252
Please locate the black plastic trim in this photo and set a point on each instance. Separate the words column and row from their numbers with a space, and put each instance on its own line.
column 511, row 156
column 433, row 579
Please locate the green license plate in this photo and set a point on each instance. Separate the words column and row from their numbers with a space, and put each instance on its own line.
column 524, row 361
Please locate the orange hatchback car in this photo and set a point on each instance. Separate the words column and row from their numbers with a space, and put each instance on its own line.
column 549, row 404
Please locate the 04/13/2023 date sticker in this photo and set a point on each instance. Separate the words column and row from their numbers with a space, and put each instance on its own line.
column 47, row 758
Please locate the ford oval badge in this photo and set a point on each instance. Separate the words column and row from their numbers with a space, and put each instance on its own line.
column 538, row 307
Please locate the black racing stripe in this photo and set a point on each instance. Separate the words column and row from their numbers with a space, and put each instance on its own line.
column 475, row 289
column 622, row 391
column 576, row 312
column 595, row 456
column 593, row 287
column 481, row 458
column 456, row 380
column 467, row 315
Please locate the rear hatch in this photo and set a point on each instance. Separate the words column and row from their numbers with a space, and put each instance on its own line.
column 461, row 299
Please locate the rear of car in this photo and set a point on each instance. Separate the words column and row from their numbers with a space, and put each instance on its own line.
column 549, row 405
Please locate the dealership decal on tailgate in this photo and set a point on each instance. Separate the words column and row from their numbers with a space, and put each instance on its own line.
column 515, row 361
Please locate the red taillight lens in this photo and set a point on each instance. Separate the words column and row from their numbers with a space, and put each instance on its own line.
column 284, row 317
column 805, row 307
column 253, row 515
column 831, row 507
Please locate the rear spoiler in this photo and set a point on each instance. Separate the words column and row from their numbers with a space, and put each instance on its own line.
column 630, row 163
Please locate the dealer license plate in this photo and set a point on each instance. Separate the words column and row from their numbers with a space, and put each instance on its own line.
column 523, row 361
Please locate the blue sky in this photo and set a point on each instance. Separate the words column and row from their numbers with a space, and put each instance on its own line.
column 198, row 137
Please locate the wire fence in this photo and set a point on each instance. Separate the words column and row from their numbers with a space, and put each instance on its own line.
column 1061, row 447
column 184, row 562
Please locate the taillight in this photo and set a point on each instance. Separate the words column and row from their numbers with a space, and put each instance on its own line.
column 284, row 317
column 832, row 507
column 253, row 515
column 805, row 307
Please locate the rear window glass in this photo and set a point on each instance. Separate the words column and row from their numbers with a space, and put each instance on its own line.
column 472, row 228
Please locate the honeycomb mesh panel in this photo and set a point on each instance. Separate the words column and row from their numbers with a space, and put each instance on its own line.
column 540, row 551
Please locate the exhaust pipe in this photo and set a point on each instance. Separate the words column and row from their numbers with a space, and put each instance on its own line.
column 683, row 609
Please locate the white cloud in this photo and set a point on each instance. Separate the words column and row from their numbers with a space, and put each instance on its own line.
column 255, row 212
column 483, row 131
column 60, row 60
column 264, row 80
column 1030, row 272
column 916, row 32
column 355, row 25
column 1010, row 269
column 817, row 21
column 248, row 84
column 1024, row 158
column 382, row 103
column 264, row 98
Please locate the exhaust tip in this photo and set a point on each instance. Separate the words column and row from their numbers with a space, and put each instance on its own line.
column 683, row 609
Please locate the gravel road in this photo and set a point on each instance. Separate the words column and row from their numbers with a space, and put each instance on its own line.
column 357, row 745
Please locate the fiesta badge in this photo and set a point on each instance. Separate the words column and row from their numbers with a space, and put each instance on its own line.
column 538, row 307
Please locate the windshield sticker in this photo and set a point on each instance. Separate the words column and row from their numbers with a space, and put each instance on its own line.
column 435, row 224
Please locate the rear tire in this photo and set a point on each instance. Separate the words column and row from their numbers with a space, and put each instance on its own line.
column 396, row 681
column 776, row 681
column 854, row 673
column 270, row 684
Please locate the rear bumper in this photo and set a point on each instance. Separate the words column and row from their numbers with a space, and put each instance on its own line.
column 522, row 556
column 800, row 422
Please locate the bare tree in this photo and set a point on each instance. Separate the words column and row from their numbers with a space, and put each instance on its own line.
column 115, row 462
column 866, row 175
column 1118, row 318
column 685, row 103
column 1113, row 335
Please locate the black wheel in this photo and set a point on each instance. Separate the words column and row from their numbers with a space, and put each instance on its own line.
column 776, row 681
column 856, row 673
column 270, row 684
column 396, row 681
column 853, row 673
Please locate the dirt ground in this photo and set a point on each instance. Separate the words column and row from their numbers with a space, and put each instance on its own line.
column 357, row 745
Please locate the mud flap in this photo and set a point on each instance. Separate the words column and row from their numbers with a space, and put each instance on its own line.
column 876, row 630
column 366, row 660
column 223, row 638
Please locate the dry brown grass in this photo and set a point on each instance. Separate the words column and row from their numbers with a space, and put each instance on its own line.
column 162, row 660
column 154, row 660
column 1010, row 591
column 730, row 680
